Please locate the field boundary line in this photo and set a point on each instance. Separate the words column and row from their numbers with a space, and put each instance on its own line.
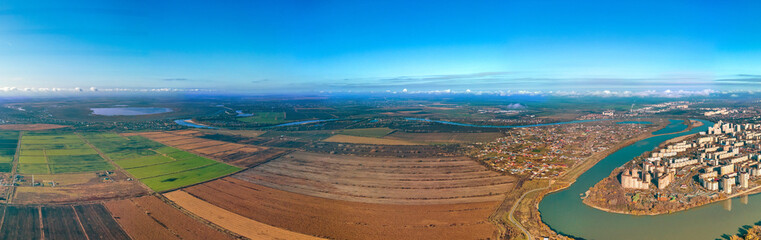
column 42, row 225
column 79, row 221
column 2, row 219
column 14, row 169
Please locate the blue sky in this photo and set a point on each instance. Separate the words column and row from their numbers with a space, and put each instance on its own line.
column 292, row 46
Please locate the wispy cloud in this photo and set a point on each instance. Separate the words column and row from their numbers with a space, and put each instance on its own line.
column 492, row 80
column 175, row 79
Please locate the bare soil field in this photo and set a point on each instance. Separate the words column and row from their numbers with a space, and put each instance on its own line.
column 180, row 223
column 338, row 219
column 367, row 140
column 136, row 222
column 31, row 127
column 21, row 222
column 98, row 223
column 236, row 223
column 382, row 180
column 60, row 222
column 76, row 193
column 150, row 218
column 369, row 150
column 439, row 138
column 242, row 155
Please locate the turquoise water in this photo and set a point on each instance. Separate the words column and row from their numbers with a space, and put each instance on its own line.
column 128, row 111
column 184, row 122
column 565, row 213
column 674, row 126
column 496, row 126
column 303, row 122
column 634, row 122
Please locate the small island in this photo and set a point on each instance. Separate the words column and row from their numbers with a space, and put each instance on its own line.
column 684, row 172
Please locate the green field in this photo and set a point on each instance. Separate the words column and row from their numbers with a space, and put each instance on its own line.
column 8, row 144
column 53, row 152
column 265, row 118
column 143, row 161
column 180, row 179
column 33, row 159
column 33, row 168
column 158, row 166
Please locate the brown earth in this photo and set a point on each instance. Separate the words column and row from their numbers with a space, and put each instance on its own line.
column 77, row 193
column 338, row 219
column 98, row 223
column 444, row 137
column 366, row 140
column 180, row 223
column 136, row 222
column 60, row 222
column 150, row 218
column 382, row 180
column 31, row 127
column 236, row 223
column 241, row 155
column 21, row 222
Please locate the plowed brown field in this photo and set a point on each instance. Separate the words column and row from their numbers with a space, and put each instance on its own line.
column 382, row 180
column 343, row 219
column 236, row 223
column 150, row 218
column 242, row 155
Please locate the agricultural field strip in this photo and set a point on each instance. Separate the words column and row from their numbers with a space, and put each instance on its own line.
column 392, row 175
column 402, row 196
column 191, row 169
column 349, row 178
column 386, row 183
column 21, row 222
column 234, row 222
column 97, row 221
column 185, row 226
column 232, row 153
column 136, row 222
column 394, row 170
column 341, row 219
column 60, row 159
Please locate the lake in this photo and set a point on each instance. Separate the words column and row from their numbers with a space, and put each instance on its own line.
column 128, row 111
column 564, row 212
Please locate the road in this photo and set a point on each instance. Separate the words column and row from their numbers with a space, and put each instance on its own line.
column 510, row 216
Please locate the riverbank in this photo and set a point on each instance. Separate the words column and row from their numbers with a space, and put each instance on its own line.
column 719, row 197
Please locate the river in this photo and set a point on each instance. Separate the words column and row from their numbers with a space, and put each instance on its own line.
column 564, row 212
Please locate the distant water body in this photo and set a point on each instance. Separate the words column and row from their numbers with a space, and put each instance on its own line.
column 564, row 211
column 634, row 122
column 128, row 111
column 185, row 122
column 303, row 122
column 499, row 126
